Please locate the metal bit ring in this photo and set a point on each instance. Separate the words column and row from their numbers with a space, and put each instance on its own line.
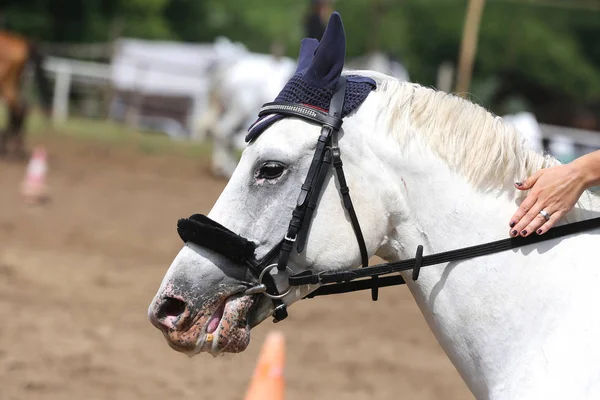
column 262, row 275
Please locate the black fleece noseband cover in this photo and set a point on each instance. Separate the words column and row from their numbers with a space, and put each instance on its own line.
column 205, row 232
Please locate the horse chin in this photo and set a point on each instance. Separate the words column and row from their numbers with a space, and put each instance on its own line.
column 241, row 313
column 232, row 334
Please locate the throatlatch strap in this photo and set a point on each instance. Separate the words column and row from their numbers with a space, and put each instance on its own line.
column 345, row 191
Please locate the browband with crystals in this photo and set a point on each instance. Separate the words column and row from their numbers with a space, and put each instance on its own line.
column 300, row 111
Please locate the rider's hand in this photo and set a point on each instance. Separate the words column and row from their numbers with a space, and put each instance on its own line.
column 554, row 190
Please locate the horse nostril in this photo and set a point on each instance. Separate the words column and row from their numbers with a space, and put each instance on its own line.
column 170, row 307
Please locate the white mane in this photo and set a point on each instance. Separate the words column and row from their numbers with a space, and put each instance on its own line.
column 497, row 155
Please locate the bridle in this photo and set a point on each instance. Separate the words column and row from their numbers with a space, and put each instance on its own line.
column 205, row 232
column 327, row 153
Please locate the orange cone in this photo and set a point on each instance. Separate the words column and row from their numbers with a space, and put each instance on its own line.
column 268, row 382
column 33, row 188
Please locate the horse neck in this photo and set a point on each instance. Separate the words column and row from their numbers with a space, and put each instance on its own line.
column 470, row 305
column 441, row 209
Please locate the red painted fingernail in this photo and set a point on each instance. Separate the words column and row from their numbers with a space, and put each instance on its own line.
column 524, row 232
column 512, row 224
column 539, row 231
column 519, row 184
column 514, row 233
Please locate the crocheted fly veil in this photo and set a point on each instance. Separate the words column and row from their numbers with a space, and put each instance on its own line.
column 319, row 68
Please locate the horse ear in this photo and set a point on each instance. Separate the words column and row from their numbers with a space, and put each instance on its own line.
column 307, row 53
column 326, row 67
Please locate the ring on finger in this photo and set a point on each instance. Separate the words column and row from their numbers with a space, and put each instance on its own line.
column 545, row 215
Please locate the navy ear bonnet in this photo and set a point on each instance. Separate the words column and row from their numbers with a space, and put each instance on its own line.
column 319, row 68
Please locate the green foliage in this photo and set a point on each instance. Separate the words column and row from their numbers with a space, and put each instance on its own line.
column 540, row 45
column 552, row 48
column 258, row 23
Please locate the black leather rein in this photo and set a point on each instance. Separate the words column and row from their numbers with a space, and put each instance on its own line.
column 350, row 281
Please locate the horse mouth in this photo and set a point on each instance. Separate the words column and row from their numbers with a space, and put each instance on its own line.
column 226, row 330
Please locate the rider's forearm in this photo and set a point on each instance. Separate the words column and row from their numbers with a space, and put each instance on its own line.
column 588, row 168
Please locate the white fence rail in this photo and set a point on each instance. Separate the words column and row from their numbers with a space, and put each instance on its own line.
column 102, row 50
column 66, row 71
column 579, row 136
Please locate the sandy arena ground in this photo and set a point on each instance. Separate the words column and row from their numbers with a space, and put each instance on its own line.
column 77, row 276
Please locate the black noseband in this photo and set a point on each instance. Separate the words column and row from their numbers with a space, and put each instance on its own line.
column 202, row 230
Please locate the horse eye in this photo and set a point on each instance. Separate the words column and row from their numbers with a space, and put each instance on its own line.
column 270, row 170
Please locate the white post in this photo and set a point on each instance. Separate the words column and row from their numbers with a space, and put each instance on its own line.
column 445, row 77
column 134, row 106
column 62, row 87
column 195, row 123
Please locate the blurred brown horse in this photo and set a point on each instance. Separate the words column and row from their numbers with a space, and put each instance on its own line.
column 15, row 53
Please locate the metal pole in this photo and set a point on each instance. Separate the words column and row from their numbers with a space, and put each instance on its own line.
column 469, row 46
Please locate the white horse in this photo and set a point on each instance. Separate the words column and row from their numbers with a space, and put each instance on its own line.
column 561, row 147
column 241, row 82
column 424, row 168
column 379, row 62
column 527, row 125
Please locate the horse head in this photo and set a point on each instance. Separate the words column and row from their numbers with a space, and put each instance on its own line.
column 205, row 292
